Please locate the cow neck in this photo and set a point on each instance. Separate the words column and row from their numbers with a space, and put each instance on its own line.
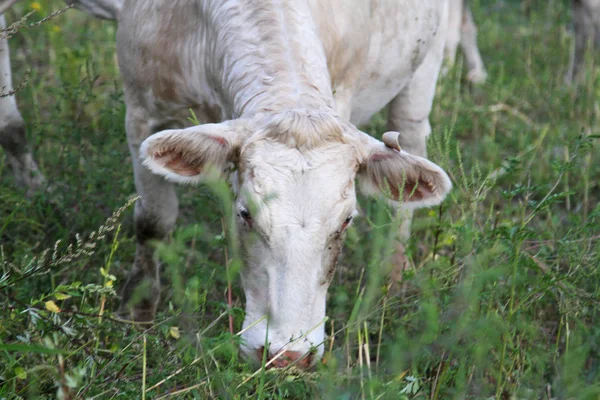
column 270, row 57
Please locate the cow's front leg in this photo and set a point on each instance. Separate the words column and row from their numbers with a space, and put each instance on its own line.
column 408, row 114
column 455, row 14
column 154, row 217
column 12, row 128
column 413, row 134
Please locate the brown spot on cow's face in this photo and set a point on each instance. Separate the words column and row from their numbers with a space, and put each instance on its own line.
column 330, row 258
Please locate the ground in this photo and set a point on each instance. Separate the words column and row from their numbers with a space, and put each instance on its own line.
column 501, row 300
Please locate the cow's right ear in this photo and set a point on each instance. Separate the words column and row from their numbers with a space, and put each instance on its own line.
column 402, row 177
column 186, row 155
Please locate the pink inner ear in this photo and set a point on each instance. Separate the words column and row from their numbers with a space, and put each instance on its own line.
column 174, row 161
column 423, row 190
column 414, row 189
column 221, row 140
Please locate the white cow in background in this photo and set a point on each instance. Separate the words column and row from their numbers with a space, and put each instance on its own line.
column 12, row 126
column 462, row 29
column 586, row 21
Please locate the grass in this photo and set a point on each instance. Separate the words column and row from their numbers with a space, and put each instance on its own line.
column 502, row 302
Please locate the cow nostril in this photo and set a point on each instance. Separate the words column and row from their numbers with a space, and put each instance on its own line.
column 260, row 353
column 295, row 358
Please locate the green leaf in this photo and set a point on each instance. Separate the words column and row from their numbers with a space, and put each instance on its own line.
column 61, row 296
column 28, row 348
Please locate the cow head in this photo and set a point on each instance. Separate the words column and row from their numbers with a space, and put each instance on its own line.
column 294, row 180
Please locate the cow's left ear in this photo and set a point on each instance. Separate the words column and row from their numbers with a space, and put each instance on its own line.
column 187, row 155
column 402, row 177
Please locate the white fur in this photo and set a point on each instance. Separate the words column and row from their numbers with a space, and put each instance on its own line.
column 300, row 74
column 12, row 127
column 586, row 21
column 303, row 199
column 8, row 105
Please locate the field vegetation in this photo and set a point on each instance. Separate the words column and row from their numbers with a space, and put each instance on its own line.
column 502, row 299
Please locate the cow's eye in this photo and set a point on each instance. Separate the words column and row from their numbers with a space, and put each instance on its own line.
column 245, row 214
column 346, row 223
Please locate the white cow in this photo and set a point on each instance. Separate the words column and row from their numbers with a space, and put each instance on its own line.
column 586, row 21
column 279, row 86
column 462, row 29
column 12, row 127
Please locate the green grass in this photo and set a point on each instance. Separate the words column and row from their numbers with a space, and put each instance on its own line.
column 502, row 302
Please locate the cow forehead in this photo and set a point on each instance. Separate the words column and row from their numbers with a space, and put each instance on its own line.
column 276, row 167
column 310, row 182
